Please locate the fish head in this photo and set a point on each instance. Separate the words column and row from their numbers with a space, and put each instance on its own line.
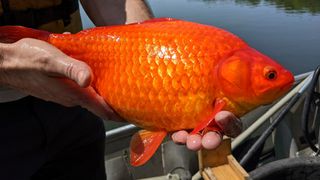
column 249, row 78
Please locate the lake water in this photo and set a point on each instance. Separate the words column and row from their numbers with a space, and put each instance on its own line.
column 286, row 30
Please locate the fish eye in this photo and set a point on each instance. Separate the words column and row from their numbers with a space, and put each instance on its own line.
column 271, row 75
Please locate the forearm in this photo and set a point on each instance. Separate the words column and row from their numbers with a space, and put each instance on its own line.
column 110, row 12
column 137, row 11
column 4, row 49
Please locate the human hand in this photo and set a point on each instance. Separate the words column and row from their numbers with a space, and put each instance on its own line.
column 230, row 125
column 41, row 70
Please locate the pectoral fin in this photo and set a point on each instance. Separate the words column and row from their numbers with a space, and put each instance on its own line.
column 144, row 144
column 209, row 121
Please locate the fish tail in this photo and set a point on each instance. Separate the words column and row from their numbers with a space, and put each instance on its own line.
column 11, row 34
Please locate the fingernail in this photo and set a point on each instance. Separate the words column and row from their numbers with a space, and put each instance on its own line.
column 194, row 142
column 211, row 140
column 222, row 115
column 223, row 118
column 173, row 136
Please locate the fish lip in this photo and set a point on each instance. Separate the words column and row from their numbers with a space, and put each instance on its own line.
column 287, row 86
column 280, row 92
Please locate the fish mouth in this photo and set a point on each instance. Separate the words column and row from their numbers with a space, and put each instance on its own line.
column 273, row 94
column 287, row 86
column 288, row 80
column 289, row 83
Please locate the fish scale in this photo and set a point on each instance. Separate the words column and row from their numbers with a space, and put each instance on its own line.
column 166, row 74
column 153, row 80
column 130, row 51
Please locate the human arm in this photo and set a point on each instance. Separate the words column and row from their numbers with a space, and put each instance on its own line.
column 111, row 12
column 41, row 70
column 230, row 125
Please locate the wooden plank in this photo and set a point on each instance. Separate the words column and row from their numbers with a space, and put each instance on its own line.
column 225, row 172
column 219, row 164
column 238, row 168
column 207, row 174
column 216, row 157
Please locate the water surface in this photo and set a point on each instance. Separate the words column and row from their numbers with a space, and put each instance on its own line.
column 286, row 30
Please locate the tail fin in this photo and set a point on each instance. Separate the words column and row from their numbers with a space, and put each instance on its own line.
column 10, row 34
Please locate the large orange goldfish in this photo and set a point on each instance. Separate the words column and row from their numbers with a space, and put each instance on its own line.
column 166, row 75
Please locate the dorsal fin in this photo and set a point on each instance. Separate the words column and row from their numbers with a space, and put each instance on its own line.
column 10, row 34
column 155, row 20
column 163, row 19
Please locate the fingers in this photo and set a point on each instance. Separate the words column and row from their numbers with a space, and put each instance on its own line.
column 180, row 137
column 230, row 124
column 96, row 104
column 195, row 142
column 211, row 140
column 72, row 95
column 54, row 61
column 50, row 60
column 41, row 65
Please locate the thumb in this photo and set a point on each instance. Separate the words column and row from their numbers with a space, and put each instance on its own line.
column 73, row 69
column 53, row 61
column 229, row 123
